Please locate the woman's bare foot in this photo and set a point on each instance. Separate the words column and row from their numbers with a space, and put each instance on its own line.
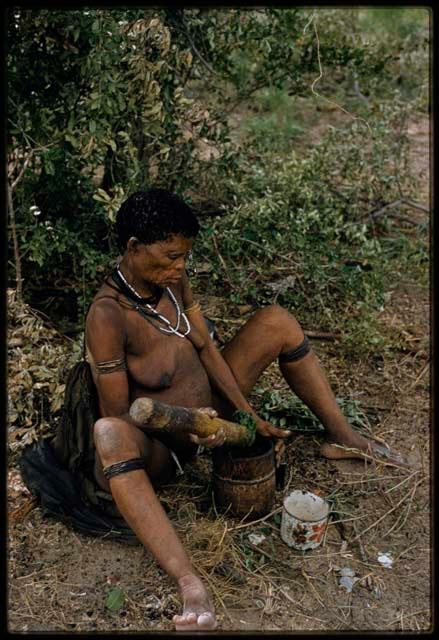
column 198, row 613
column 360, row 447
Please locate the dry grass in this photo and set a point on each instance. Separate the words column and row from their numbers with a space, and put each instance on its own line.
column 374, row 508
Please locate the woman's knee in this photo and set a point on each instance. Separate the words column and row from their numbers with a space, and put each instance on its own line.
column 283, row 325
column 114, row 437
column 278, row 316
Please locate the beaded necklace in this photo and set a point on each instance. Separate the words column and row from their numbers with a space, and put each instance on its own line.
column 168, row 328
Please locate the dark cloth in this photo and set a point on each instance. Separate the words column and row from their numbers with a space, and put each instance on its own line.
column 60, row 470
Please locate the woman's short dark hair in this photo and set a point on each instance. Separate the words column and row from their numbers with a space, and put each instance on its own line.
column 152, row 216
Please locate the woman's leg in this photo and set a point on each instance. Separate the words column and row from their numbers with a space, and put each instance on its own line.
column 273, row 331
column 119, row 446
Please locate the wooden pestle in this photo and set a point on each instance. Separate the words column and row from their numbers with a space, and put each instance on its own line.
column 171, row 419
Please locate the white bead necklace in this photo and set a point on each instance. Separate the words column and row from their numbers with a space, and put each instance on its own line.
column 180, row 314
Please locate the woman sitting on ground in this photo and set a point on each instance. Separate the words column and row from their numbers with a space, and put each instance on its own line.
column 146, row 336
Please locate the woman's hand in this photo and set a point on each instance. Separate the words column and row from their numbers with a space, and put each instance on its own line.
column 269, row 431
column 215, row 440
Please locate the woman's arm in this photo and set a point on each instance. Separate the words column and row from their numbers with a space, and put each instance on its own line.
column 219, row 372
column 105, row 339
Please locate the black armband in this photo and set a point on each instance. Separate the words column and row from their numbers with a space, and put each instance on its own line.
column 123, row 467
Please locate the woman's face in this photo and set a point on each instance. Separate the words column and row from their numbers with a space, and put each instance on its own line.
column 161, row 263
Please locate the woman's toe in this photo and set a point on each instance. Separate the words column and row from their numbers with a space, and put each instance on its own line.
column 207, row 620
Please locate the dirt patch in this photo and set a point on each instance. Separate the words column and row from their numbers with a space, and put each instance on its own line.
column 59, row 580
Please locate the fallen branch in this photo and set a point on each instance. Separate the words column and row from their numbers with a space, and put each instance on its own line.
column 320, row 335
column 317, row 335
column 395, row 203
column 416, row 205
column 374, row 214
column 398, row 216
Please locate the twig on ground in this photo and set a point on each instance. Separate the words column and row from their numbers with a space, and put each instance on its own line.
column 19, row 514
column 408, row 615
column 249, row 524
column 206, row 576
column 409, row 506
column 286, row 595
column 402, row 482
column 374, row 524
column 398, row 216
column 363, row 480
column 316, row 593
column 227, row 320
column 223, row 536
column 424, row 369
column 366, row 457
column 363, row 557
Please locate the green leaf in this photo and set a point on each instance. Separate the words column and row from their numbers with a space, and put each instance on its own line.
column 115, row 599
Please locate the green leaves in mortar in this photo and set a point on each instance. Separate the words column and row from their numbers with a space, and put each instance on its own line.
column 246, row 420
column 115, row 599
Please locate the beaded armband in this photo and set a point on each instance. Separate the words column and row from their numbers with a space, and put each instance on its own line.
column 109, row 366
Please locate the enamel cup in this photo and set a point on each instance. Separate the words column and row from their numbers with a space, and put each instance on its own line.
column 304, row 520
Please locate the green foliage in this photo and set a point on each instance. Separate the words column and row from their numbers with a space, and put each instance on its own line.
column 246, row 420
column 307, row 224
column 106, row 101
column 405, row 31
column 283, row 409
column 97, row 107
column 115, row 599
column 275, row 125
column 39, row 358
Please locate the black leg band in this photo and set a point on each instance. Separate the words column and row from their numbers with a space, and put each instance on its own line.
column 297, row 353
column 123, row 467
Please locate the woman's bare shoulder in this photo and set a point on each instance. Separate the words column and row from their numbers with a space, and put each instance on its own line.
column 106, row 307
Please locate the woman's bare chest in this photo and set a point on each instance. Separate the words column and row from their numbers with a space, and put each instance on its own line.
column 155, row 355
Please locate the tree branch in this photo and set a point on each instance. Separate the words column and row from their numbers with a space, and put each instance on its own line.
column 23, row 169
column 17, row 257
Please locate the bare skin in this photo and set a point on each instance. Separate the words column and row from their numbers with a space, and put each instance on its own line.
column 189, row 372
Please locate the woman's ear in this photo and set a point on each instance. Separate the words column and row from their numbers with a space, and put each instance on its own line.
column 133, row 244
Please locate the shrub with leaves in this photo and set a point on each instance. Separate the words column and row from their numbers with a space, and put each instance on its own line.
column 306, row 234
column 105, row 101
column 38, row 360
